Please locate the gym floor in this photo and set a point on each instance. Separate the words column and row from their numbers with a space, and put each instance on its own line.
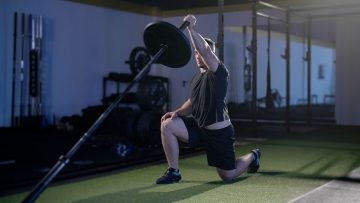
column 303, row 167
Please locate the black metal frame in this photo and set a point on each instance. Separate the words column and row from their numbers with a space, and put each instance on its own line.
column 286, row 56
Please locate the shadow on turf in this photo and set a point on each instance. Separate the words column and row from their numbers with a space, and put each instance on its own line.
column 143, row 194
column 311, row 176
column 218, row 182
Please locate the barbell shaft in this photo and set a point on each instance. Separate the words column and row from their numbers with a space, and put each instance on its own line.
column 184, row 25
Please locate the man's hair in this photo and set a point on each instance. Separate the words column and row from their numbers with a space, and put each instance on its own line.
column 210, row 43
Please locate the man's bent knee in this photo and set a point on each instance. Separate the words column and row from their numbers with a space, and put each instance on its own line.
column 226, row 175
column 167, row 125
column 174, row 127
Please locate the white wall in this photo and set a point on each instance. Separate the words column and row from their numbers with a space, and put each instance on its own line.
column 322, row 87
column 348, row 71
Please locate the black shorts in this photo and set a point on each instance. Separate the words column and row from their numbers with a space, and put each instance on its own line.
column 218, row 144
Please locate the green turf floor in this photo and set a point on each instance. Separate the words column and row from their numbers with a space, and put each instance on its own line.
column 289, row 167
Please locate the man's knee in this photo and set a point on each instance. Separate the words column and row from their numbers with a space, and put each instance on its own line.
column 167, row 126
column 226, row 175
column 174, row 127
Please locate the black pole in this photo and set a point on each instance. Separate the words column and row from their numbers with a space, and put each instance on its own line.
column 40, row 71
column 269, row 100
column 63, row 160
column 30, row 60
column 308, row 57
column 254, row 66
column 221, row 29
column 247, row 68
column 13, row 91
column 287, row 55
column 245, row 44
column 33, row 66
column 22, row 63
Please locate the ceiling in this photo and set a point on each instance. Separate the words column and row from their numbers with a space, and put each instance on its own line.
column 167, row 8
column 162, row 7
column 173, row 7
column 182, row 4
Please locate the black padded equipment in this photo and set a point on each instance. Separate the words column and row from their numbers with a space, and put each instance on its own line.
column 147, row 130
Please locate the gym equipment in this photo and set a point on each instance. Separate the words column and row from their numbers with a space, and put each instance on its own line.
column 151, row 94
column 13, row 91
column 70, row 123
column 147, row 131
column 33, row 77
column 247, row 68
column 139, row 57
column 165, row 51
column 152, row 91
column 130, row 118
column 118, row 79
column 129, row 98
column 123, row 149
column 22, row 63
column 39, row 47
column 247, row 77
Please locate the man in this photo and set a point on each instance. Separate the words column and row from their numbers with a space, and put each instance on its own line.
column 210, row 123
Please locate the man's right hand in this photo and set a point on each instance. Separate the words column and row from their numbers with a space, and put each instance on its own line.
column 191, row 19
column 170, row 115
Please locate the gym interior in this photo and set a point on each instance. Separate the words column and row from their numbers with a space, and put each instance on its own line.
column 83, row 91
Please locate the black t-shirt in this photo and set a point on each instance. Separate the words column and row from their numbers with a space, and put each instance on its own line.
column 208, row 95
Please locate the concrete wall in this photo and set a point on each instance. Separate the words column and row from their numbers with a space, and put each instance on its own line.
column 348, row 71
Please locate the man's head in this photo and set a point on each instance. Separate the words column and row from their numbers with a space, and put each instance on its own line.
column 199, row 59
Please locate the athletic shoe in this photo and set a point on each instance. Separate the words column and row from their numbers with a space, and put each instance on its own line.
column 170, row 176
column 255, row 164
